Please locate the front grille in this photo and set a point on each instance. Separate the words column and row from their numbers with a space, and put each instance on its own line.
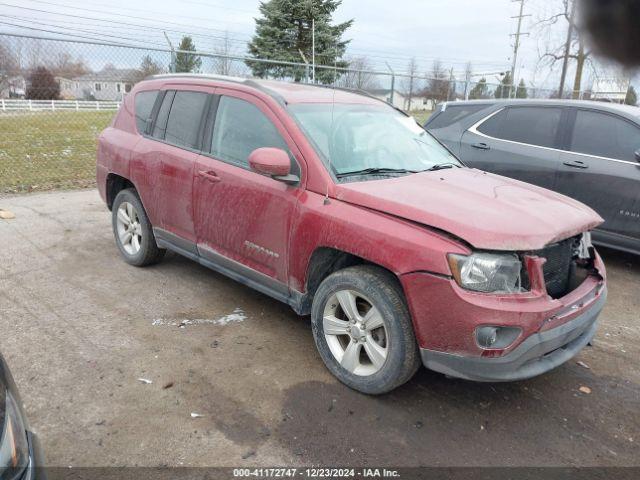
column 557, row 268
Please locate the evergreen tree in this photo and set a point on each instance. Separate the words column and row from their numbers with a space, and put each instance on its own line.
column 187, row 62
column 285, row 29
column 632, row 96
column 42, row 85
column 480, row 90
column 504, row 89
column 521, row 92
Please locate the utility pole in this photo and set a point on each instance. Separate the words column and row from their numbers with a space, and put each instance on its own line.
column 449, row 85
column 516, row 45
column 567, row 47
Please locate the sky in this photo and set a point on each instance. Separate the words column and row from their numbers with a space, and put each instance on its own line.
column 386, row 32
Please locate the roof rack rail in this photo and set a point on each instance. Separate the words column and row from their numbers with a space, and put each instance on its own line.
column 225, row 78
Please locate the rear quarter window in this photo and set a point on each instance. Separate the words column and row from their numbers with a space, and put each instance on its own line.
column 144, row 102
column 453, row 114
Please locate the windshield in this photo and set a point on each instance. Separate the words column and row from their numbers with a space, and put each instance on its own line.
column 368, row 139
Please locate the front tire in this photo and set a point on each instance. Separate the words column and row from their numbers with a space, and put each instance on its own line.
column 133, row 231
column 363, row 330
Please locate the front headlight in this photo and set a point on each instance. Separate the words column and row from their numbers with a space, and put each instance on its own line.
column 14, row 447
column 487, row 272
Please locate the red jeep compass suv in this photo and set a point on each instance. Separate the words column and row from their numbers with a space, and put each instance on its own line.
column 347, row 210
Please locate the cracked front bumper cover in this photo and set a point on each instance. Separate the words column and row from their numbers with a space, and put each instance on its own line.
column 539, row 353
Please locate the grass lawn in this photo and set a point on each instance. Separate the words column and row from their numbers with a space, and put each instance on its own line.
column 421, row 116
column 45, row 150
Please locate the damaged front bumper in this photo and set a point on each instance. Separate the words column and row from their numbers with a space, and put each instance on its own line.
column 539, row 353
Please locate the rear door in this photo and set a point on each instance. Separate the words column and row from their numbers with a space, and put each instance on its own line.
column 599, row 168
column 178, row 131
column 519, row 142
column 243, row 218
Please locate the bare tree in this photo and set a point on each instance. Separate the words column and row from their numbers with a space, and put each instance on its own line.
column 222, row 65
column 359, row 75
column 410, row 84
column 563, row 50
column 438, row 83
column 64, row 65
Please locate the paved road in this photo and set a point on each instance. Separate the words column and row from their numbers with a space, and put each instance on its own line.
column 79, row 327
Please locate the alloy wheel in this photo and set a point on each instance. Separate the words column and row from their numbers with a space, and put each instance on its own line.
column 129, row 228
column 355, row 332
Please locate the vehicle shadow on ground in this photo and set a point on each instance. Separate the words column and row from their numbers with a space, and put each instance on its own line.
column 435, row 420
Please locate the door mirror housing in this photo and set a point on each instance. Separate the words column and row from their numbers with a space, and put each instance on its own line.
column 274, row 162
column 637, row 154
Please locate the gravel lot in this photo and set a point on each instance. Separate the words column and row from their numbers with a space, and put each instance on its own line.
column 79, row 328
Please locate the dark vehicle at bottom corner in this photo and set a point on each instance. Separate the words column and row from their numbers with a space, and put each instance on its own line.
column 20, row 452
column 587, row 150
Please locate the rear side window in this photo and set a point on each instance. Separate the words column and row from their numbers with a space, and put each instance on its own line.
column 531, row 125
column 144, row 102
column 239, row 129
column 452, row 114
column 604, row 136
column 185, row 117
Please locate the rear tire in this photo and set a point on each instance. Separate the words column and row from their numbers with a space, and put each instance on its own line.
column 363, row 329
column 133, row 231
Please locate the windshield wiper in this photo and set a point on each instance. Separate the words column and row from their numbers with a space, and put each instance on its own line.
column 442, row 166
column 374, row 171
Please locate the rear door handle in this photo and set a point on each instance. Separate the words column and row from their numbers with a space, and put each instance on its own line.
column 209, row 175
column 576, row 164
column 481, row 146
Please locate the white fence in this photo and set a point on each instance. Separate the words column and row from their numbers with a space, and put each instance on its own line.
column 13, row 105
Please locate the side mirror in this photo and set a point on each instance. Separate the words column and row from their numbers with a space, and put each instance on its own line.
column 273, row 162
column 637, row 154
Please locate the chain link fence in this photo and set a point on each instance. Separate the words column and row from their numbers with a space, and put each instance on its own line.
column 56, row 96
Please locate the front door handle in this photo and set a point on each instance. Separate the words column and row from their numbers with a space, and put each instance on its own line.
column 481, row 146
column 209, row 175
column 576, row 164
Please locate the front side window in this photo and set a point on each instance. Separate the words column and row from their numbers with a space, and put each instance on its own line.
column 604, row 135
column 353, row 139
column 531, row 125
column 183, row 125
column 240, row 128
column 143, row 105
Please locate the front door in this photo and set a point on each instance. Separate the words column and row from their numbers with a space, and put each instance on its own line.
column 599, row 168
column 517, row 142
column 243, row 219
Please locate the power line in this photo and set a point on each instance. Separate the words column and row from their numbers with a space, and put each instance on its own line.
column 70, row 15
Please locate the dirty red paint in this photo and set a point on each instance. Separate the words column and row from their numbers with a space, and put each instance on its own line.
column 407, row 225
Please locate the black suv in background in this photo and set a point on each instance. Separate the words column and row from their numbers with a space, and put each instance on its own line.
column 586, row 150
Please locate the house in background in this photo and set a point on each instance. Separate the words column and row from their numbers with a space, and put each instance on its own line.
column 108, row 84
column 384, row 94
column 612, row 90
column 13, row 87
column 418, row 103
column 67, row 92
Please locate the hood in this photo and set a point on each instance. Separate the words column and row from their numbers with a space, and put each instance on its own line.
column 488, row 211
